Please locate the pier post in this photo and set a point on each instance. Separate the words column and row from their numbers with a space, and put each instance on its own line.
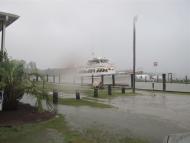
column 95, row 92
column 102, row 80
column 153, row 86
column 113, row 79
column 164, row 81
column 43, row 82
column 132, row 80
column 47, row 77
column 123, row 90
column 77, row 95
column 109, row 89
column 55, row 97
column 92, row 80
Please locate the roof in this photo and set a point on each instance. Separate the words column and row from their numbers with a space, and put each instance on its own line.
column 10, row 18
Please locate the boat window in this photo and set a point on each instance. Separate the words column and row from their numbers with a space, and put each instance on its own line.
column 104, row 61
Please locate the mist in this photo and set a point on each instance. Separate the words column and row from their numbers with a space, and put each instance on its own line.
column 54, row 33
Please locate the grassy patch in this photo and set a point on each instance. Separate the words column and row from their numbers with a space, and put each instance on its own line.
column 82, row 102
column 56, row 130
column 104, row 136
column 103, row 93
column 52, row 131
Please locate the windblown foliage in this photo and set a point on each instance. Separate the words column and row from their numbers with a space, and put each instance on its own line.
column 15, row 81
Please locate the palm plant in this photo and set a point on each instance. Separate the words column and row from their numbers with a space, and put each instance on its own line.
column 15, row 81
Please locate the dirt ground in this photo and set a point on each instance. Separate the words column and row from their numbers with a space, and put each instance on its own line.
column 24, row 114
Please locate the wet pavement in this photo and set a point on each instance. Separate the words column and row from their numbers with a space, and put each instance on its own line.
column 146, row 116
column 150, row 116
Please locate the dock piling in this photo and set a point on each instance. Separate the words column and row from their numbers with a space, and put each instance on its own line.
column 92, row 80
column 47, row 77
column 113, row 79
column 102, row 80
column 132, row 84
column 164, row 81
column 77, row 95
column 123, row 90
column 95, row 92
column 109, row 89
column 55, row 97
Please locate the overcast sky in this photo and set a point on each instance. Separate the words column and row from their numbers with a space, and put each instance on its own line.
column 55, row 32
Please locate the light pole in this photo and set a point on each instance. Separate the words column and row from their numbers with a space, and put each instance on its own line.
column 134, row 51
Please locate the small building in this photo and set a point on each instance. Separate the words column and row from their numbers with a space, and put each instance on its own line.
column 143, row 77
column 6, row 19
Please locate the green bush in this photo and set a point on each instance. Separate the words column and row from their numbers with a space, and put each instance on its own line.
column 15, row 81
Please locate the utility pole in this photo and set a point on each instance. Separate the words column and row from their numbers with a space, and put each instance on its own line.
column 134, row 51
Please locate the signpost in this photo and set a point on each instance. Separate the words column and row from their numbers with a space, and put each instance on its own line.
column 155, row 64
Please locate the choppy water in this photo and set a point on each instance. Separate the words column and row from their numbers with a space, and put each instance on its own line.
column 125, row 79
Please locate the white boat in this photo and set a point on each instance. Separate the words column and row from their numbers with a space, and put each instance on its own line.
column 97, row 67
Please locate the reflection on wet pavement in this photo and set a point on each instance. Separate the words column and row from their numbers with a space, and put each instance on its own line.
column 146, row 116
column 150, row 116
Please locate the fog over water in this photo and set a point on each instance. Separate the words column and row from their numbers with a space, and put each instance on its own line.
column 54, row 33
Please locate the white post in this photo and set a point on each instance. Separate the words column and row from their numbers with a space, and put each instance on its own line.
column 1, row 100
column 3, row 38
